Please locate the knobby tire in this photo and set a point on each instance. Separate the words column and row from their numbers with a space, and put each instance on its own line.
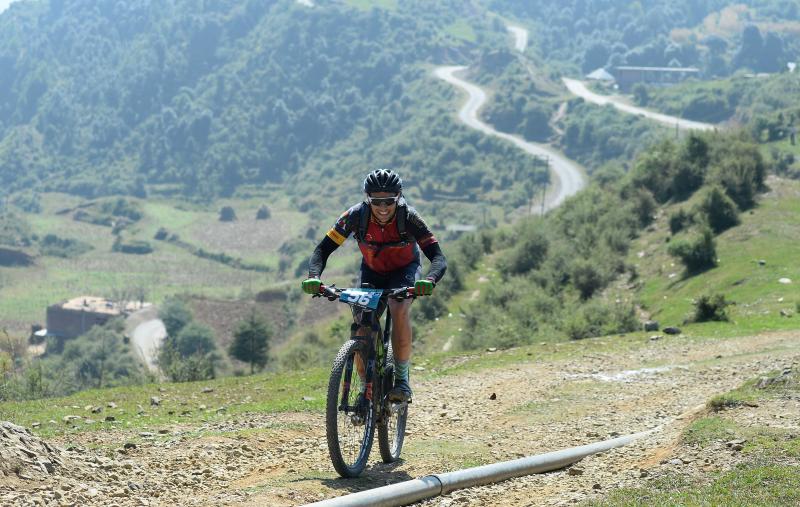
column 334, row 417
column 392, row 428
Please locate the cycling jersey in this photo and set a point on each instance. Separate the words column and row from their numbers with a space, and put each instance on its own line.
column 383, row 247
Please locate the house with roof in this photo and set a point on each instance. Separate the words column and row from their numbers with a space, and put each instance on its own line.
column 628, row 76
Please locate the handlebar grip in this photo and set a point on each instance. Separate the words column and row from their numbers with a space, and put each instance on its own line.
column 327, row 292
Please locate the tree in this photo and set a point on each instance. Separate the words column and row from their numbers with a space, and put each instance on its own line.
column 227, row 214
column 595, row 56
column 263, row 213
column 251, row 341
column 640, row 94
column 719, row 209
column 749, row 52
column 190, row 354
column 99, row 358
column 175, row 315
column 195, row 338
column 586, row 278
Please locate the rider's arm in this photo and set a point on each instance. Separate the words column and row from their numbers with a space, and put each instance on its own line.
column 316, row 265
column 429, row 245
column 332, row 240
column 438, row 261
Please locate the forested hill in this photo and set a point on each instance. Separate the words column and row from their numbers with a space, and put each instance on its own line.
column 716, row 36
column 100, row 96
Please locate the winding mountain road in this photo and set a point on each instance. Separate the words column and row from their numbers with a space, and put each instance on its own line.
column 520, row 37
column 147, row 333
column 568, row 174
column 578, row 88
column 148, row 337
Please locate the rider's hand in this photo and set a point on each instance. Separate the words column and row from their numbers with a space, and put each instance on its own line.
column 311, row 286
column 424, row 287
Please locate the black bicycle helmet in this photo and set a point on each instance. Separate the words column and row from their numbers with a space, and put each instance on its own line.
column 383, row 180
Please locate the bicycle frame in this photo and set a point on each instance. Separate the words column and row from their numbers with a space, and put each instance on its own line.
column 376, row 357
column 378, row 339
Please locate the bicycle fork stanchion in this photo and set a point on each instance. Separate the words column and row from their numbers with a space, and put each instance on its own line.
column 408, row 492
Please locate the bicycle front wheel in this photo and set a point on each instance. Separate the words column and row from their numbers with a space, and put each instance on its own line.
column 349, row 422
column 392, row 426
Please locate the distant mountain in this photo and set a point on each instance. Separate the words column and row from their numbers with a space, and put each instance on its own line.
column 102, row 97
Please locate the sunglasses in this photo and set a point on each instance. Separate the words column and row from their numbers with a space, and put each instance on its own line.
column 383, row 201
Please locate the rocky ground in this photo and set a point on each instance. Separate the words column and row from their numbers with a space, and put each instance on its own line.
column 456, row 421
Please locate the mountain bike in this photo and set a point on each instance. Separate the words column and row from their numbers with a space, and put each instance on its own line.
column 361, row 377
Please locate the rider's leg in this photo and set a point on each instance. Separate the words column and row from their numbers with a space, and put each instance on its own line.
column 401, row 329
column 401, row 333
column 401, row 344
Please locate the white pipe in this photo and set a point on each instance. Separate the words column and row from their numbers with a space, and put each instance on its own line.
column 408, row 492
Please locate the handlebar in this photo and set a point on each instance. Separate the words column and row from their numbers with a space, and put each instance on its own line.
column 331, row 292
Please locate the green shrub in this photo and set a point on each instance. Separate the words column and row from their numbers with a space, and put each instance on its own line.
column 491, row 327
column 53, row 246
column 190, row 354
column 175, row 314
column 471, row 249
column 28, row 201
column 15, row 231
column 529, row 251
column 697, row 253
column 719, row 209
column 680, row 220
column 312, row 349
column 644, row 206
column 587, row 278
column 640, row 94
column 430, row 308
column 227, row 214
column 596, row 318
column 185, row 369
column 263, row 213
column 710, row 308
column 135, row 247
column 741, row 171
column 122, row 207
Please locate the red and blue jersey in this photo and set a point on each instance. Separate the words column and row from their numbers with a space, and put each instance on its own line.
column 382, row 246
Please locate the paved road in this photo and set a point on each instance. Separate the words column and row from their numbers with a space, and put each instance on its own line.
column 569, row 178
column 147, row 338
column 520, row 37
column 579, row 89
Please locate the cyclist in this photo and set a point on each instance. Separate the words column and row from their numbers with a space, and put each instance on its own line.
column 390, row 234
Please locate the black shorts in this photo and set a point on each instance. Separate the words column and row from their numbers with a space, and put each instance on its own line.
column 403, row 277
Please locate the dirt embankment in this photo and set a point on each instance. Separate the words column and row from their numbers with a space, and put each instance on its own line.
column 281, row 459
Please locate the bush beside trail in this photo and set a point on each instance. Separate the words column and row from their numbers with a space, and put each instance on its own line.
column 554, row 271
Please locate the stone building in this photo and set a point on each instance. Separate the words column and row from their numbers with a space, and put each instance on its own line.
column 76, row 316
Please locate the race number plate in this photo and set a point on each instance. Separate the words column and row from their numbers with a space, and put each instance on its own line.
column 366, row 298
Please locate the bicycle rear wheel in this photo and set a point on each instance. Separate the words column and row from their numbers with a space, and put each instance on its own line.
column 349, row 427
column 392, row 426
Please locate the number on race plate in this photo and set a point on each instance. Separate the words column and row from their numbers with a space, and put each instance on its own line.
column 367, row 298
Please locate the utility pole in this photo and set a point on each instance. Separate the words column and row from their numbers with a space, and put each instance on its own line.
column 544, row 186
column 544, row 193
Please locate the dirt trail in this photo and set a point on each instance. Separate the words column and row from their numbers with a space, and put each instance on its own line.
column 281, row 459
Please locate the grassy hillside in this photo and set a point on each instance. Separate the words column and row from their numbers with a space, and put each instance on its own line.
column 767, row 233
